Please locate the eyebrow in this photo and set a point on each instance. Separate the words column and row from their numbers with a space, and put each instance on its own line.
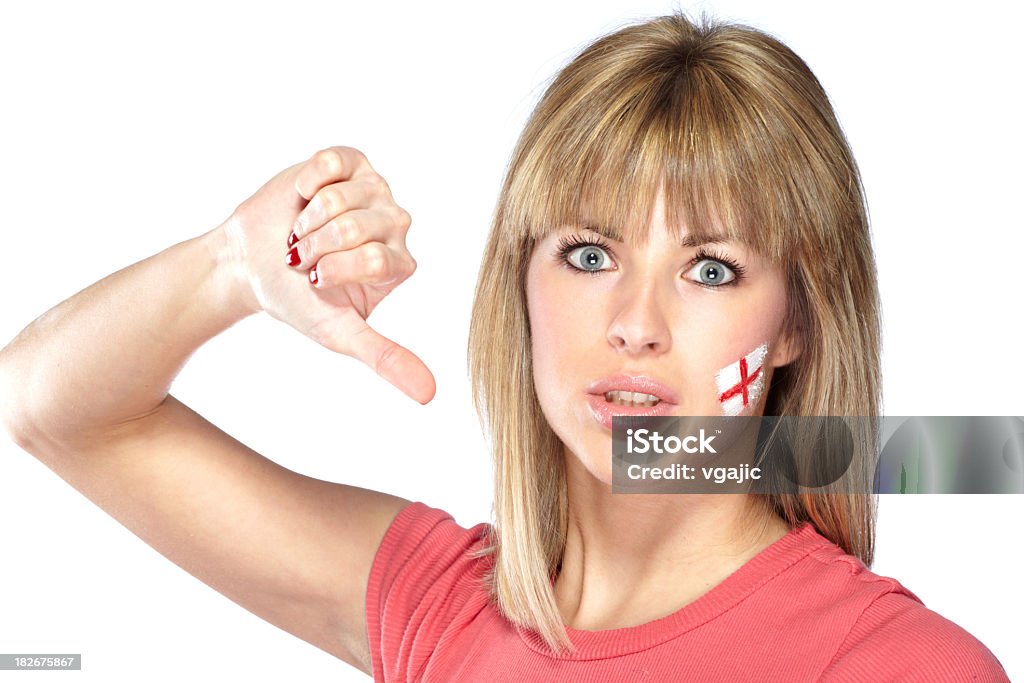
column 691, row 241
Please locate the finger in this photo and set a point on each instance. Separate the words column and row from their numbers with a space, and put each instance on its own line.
column 373, row 263
column 333, row 200
column 327, row 166
column 395, row 363
column 352, row 229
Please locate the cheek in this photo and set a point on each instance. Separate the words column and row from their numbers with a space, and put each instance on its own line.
column 550, row 325
column 740, row 341
column 544, row 325
column 738, row 372
column 562, row 324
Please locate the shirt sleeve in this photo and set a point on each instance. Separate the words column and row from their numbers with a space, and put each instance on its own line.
column 425, row 583
column 897, row 638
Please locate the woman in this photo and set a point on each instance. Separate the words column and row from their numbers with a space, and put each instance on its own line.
column 674, row 180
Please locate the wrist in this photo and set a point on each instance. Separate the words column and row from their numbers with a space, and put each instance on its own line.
column 230, row 284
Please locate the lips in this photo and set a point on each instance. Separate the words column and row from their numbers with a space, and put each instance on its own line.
column 639, row 384
column 619, row 386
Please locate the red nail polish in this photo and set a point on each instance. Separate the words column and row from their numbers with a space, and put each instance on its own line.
column 293, row 257
column 313, row 276
column 292, row 239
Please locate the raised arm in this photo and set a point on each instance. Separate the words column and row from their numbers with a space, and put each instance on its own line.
column 84, row 389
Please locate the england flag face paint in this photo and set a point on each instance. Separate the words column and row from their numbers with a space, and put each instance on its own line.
column 740, row 384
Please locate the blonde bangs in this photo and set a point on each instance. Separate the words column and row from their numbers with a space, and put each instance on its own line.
column 724, row 140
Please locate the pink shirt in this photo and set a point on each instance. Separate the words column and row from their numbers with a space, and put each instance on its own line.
column 801, row 610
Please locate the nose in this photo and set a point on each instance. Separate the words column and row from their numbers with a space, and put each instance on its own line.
column 639, row 325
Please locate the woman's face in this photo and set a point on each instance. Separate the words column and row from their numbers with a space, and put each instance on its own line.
column 697, row 327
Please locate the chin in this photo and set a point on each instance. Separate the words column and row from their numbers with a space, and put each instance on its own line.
column 592, row 459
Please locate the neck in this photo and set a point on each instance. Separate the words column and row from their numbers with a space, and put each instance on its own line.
column 631, row 559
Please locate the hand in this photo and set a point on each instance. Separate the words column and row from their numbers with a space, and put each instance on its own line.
column 345, row 252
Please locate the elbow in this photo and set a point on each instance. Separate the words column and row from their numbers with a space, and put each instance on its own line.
column 36, row 410
column 12, row 423
column 19, row 431
column 15, row 418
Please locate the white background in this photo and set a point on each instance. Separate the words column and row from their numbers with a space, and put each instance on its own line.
column 126, row 129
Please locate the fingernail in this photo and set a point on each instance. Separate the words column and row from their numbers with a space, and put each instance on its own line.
column 293, row 257
column 292, row 239
column 312, row 275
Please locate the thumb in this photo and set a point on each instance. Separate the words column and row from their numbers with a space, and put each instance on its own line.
column 393, row 362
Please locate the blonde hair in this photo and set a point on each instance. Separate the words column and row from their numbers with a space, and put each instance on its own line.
column 742, row 138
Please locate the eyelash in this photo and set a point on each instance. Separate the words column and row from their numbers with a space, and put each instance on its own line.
column 566, row 245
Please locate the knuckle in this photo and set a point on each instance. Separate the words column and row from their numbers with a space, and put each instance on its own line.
column 329, row 161
column 402, row 218
column 378, row 185
column 345, row 230
column 387, row 358
column 358, row 158
column 375, row 260
column 332, row 201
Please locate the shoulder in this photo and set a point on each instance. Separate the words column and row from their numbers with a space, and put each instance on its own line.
column 427, row 581
column 425, row 553
column 419, row 532
column 892, row 636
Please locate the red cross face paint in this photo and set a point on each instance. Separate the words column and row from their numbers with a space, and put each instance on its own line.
column 740, row 384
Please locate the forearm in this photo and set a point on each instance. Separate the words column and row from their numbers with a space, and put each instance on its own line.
column 109, row 354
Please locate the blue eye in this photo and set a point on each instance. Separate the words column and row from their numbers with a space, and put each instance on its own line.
column 584, row 255
column 590, row 257
column 711, row 273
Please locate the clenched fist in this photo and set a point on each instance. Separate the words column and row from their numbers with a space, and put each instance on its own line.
column 319, row 246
